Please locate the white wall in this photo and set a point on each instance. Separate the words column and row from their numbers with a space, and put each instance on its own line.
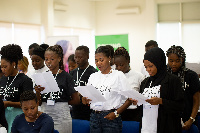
column 21, row 11
column 140, row 27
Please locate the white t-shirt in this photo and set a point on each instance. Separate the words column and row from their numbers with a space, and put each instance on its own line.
column 30, row 73
column 109, row 85
column 150, row 112
column 134, row 78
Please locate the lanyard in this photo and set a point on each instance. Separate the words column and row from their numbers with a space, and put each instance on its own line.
column 12, row 80
column 78, row 80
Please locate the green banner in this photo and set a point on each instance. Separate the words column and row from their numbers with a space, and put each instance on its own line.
column 113, row 40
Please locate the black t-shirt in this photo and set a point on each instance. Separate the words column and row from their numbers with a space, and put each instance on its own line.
column 66, row 85
column 81, row 111
column 191, row 87
column 84, row 78
column 12, row 91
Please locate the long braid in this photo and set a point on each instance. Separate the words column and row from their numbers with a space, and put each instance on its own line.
column 179, row 51
column 121, row 51
column 59, row 51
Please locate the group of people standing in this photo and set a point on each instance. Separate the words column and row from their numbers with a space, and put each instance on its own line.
column 172, row 90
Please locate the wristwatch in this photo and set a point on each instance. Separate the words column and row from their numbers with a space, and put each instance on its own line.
column 116, row 114
column 192, row 118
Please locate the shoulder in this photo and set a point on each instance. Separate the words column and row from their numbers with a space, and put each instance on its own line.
column 92, row 69
column 24, row 78
column 19, row 117
column 73, row 71
column 191, row 73
column 135, row 74
column 45, row 117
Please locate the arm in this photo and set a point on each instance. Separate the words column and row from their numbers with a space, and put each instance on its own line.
column 47, row 126
column 12, row 104
column 111, row 116
column 38, row 89
column 75, row 99
column 195, row 108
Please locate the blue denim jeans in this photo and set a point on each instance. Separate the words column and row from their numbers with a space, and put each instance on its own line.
column 99, row 124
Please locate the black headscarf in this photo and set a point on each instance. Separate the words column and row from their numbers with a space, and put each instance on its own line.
column 157, row 57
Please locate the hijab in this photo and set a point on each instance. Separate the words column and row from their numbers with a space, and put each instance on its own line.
column 157, row 57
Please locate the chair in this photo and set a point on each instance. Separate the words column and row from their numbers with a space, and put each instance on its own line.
column 130, row 127
column 55, row 131
column 193, row 129
column 80, row 126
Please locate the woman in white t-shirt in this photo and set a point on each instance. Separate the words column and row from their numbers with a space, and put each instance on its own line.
column 105, row 116
column 122, row 60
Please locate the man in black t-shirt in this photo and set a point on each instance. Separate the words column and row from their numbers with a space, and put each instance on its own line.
column 81, row 76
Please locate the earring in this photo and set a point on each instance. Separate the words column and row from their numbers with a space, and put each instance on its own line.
column 14, row 66
column 109, row 61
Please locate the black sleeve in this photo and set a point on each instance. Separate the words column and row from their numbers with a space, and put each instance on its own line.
column 193, row 79
column 70, row 85
column 3, row 121
column 174, row 101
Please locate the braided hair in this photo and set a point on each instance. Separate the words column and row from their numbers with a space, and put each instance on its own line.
column 179, row 51
column 59, row 51
column 121, row 51
column 11, row 53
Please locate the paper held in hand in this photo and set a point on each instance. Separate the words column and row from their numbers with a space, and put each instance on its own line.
column 134, row 95
column 90, row 92
column 46, row 80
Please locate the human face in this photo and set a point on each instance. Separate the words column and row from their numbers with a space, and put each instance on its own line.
column 150, row 68
column 72, row 65
column 7, row 68
column 102, row 63
column 121, row 64
column 37, row 62
column 52, row 61
column 81, row 58
column 69, row 51
column 174, row 62
column 30, row 109
column 20, row 66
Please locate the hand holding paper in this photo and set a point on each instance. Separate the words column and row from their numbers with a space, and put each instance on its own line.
column 47, row 81
column 90, row 92
column 134, row 95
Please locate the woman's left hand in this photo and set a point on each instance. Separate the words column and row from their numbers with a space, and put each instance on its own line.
column 187, row 124
column 154, row 101
column 110, row 116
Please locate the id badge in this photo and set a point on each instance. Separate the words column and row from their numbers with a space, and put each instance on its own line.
column 50, row 102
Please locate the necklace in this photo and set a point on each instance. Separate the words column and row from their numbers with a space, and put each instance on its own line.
column 8, row 86
column 78, row 80
column 33, row 123
column 57, row 74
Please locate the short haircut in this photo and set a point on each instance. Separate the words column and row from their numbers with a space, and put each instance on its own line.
column 71, row 58
column 103, row 49
column 84, row 48
column 151, row 43
column 121, row 51
column 111, row 50
column 44, row 46
column 34, row 45
column 28, row 95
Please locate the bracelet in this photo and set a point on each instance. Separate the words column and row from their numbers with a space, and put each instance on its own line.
column 192, row 118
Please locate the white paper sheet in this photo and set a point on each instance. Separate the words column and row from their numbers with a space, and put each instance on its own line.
column 90, row 92
column 46, row 80
column 134, row 95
